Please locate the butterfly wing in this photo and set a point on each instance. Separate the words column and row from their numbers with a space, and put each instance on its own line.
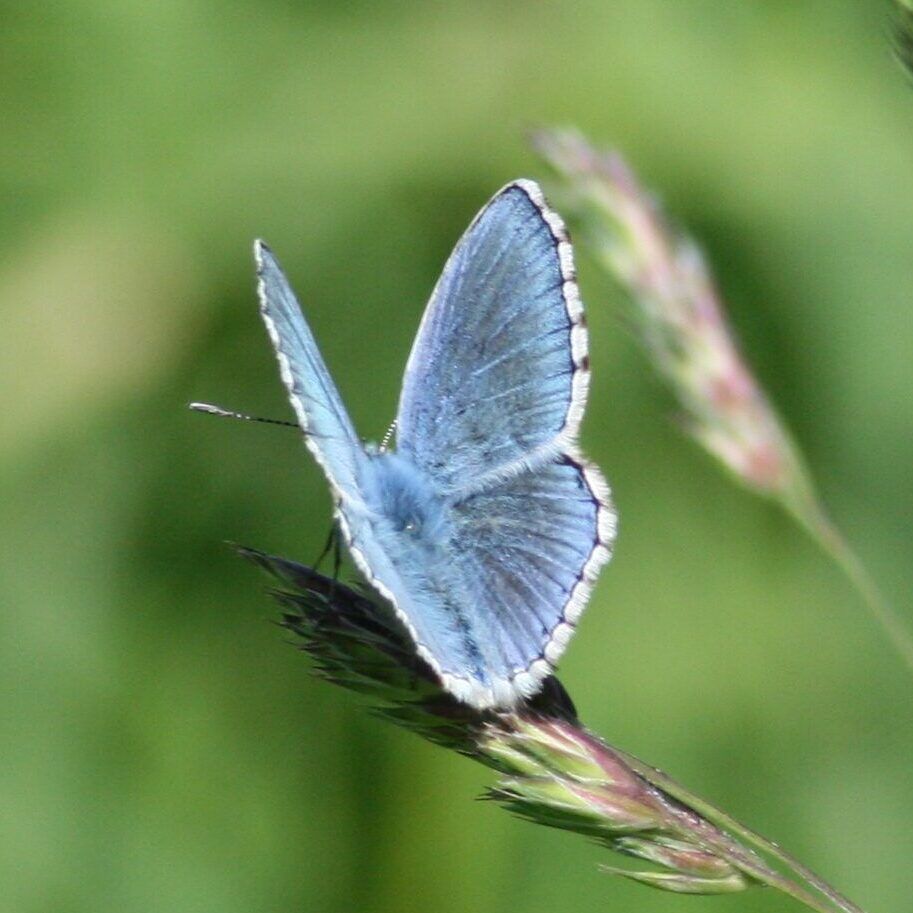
column 490, row 584
column 498, row 372
column 517, row 523
column 492, row 400
column 530, row 548
column 356, row 479
column 328, row 431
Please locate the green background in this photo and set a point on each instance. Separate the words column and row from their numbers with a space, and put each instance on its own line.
column 161, row 747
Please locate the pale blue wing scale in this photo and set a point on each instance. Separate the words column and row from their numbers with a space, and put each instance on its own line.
column 531, row 547
column 490, row 583
column 328, row 431
column 367, row 496
column 400, row 541
column 498, row 373
column 486, row 530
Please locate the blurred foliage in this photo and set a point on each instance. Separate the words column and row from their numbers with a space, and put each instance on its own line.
column 685, row 330
column 903, row 34
column 163, row 748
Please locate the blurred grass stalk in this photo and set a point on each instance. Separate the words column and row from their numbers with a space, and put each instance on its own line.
column 551, row 770
column 683, row 324
column 903, row 34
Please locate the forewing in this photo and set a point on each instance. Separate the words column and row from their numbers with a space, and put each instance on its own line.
column 382, row 555
column 498, row 371
column 327, row 428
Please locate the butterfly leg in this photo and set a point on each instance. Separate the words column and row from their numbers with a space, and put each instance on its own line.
column 337, row 553
column 332, row 542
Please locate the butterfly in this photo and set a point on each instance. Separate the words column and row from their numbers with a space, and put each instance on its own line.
column 485, row 528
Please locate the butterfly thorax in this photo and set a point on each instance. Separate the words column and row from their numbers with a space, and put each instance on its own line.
column 403, row 499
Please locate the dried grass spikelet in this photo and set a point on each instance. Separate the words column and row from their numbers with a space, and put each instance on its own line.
column 551, row 770
column 682, row 322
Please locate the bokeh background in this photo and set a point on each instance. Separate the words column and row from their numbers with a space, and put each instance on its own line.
column 163, row 748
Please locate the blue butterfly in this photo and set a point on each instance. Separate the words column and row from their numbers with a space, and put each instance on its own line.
column 485, row 529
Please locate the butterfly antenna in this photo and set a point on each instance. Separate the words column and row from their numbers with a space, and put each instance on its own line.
column 210, row 409
column 385, row 443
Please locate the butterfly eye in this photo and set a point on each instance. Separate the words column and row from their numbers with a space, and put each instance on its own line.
column 411, row 525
